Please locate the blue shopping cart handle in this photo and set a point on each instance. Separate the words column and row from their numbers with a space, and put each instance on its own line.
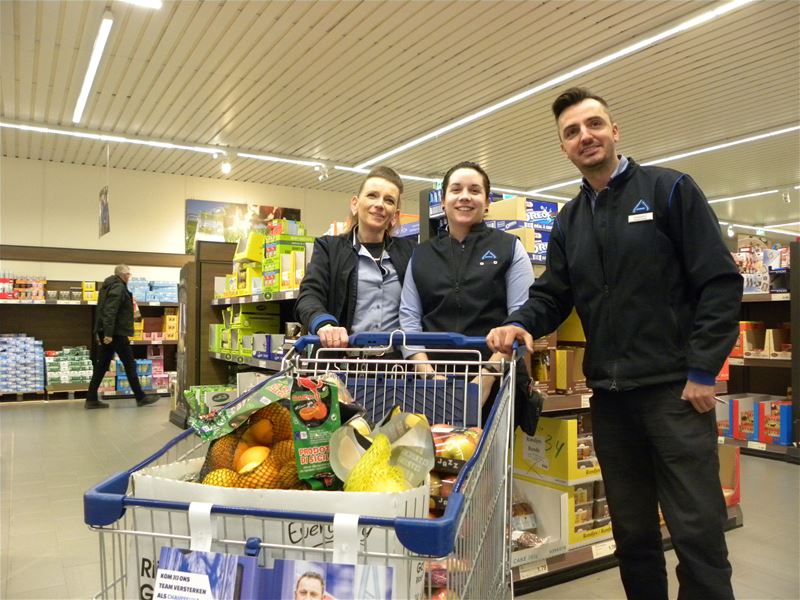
column 396, row 338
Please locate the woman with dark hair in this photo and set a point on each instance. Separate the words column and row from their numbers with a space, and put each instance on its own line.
column 353, row 281
column 469, row 278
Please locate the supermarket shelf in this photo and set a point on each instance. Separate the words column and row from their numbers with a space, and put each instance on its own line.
column 272, row 365
column 583, row 561
column 268, row 297
column 756, row 448
column 154, row 342
column 75, row 302
column 783, row 297
column 559, row 402
column 779, row 363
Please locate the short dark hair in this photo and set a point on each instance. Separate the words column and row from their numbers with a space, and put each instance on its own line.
column 574, row 96
column 310, row 575
column 386, row 173
column 467, row 165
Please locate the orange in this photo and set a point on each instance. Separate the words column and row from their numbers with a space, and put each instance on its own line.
column 251, row 458
column 261, row 432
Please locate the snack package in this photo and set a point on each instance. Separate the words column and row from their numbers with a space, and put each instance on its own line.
column 315, row 418
column 524, row 530
column 216, row 424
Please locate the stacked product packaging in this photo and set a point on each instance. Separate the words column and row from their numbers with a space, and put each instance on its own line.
column 70, row 365
column 248, row 330
column 21, row 364
column 764, row 269
column 153, row 291
column 756, row 417
column 528, row 219
column 144, row 371
column 157, row 329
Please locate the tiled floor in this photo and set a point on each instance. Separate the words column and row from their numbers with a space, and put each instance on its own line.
column 50, row 453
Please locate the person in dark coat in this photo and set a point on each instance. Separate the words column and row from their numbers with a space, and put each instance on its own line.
column 353, row 281
column 113, row 325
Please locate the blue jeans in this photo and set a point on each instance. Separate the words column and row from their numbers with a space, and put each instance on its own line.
column 655, row 448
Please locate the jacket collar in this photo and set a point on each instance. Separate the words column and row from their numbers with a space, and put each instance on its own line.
column 616, row 180
column 475, row 229
column 356, row 243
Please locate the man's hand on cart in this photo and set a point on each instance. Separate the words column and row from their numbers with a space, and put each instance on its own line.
column 331, row 336
column 501, row 339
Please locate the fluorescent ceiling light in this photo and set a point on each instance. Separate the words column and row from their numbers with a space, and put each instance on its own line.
column 100, row 137
column 591, row 66
column 764, row 228
column 792, row 224
column 94, row 63
column 280, row 159
column 657, row 161
column 157, row 4
column 742, row 196
column 747, row 140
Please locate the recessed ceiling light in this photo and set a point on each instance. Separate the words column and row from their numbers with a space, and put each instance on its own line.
column 550, row 83
column 226, row 168
column 157, row 4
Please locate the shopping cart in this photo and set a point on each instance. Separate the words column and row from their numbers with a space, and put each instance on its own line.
column 465, row 551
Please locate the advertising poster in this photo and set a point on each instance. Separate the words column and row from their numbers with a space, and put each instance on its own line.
column 105, row 219
column 210, row 221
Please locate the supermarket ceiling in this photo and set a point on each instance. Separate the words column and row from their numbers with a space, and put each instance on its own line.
column 343, row 83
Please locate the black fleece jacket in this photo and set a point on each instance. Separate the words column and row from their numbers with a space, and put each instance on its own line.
column 656, row 289
column 328, row 290
column 114, row 314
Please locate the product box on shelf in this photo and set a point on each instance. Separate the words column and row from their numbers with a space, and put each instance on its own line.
column 777, row 343
column 278, row 227
column 743, row 412
column 550, row 507
column 752, row 268
column 247, row 315
column 586, row 517
column 566, row 370
column 723, row 414
column 560, row 452
column 750, row 341
column 250, row 248
column 215, row 337
column 774, row 422
column 249, row 279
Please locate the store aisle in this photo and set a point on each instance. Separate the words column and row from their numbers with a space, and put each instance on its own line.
column 50, row 453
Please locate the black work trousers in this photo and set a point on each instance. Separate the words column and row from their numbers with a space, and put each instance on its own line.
column 105, row 354
column 655, row 448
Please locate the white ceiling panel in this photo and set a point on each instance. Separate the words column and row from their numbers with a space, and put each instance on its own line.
column 342, row 82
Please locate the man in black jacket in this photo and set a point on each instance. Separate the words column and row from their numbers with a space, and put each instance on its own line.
column 113, row 325
column 639, row 254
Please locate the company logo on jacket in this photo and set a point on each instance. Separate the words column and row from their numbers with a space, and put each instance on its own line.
column 488, row 255
column 641, row 212
column 641, row 207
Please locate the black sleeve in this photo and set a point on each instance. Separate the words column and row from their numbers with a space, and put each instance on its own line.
column 110, row 308
column 712, row 275
column 311, row 308
column 550, row 299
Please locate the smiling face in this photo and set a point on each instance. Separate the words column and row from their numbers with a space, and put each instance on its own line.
column 465, row 199
column 588, row 136
column 375, row 207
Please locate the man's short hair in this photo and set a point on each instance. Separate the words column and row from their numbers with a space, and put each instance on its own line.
column 311, row 575
column 574, row 96
column 386, row 173
column 121, row 270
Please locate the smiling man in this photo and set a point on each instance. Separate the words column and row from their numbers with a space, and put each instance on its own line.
column 639, row 254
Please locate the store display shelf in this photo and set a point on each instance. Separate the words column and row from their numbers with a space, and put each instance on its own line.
column 781, row 297
column 268, row 297
column 50, row 302
column 779, row 363
column 755, row 448
column 272, row 365
column 154, row 342
column 561, row 402
column 585, row 560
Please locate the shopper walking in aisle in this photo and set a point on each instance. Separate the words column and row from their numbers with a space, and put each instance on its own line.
column 639, row 253
column 469, row 278
column 353, row 281
column 113, row 325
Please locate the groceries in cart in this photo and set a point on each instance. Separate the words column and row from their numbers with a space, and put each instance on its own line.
column 454, row 446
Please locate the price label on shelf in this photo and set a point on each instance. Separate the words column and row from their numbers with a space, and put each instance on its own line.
column 533, row 569
column 756, row 445
column 781, row 296
column 154, row 303
column 585, row 398
column 157, row 342
column 736, row 361
column 69, row 301
column 602, row 549
column 255, row 298
column 721, row 440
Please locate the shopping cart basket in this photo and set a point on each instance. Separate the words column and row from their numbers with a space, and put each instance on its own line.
column 465, row 551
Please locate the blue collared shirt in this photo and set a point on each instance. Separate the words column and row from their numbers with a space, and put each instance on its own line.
column 378, row 294
column 591, row 192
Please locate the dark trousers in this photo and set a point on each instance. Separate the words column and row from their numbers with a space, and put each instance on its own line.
column 105, row 353
column 655, row 448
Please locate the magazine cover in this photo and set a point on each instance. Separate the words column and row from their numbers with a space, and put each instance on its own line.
column 305, row 580
column 192, row 575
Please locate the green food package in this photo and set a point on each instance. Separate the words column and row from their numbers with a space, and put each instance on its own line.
column 315, row 417
column 218, row 423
